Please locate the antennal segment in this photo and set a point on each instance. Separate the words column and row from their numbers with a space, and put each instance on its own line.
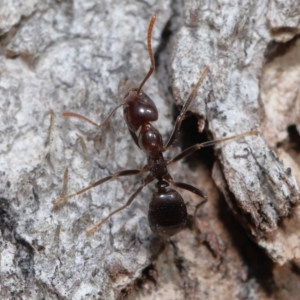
column 152, row 67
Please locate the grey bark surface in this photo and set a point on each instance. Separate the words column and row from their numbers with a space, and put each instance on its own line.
column 232, row 40
column 81, row 56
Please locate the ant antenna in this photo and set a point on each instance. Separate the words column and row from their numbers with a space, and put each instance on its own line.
column 104, row 123
column 152, row 67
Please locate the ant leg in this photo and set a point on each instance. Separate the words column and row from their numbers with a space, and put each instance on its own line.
column 211, row 239
column 196, row 147
column 65, row 183
column 199, row 193
column 199, row 238
column 146, row 181
column 75, row 115
column 113, row 176
column 204, row 233
column 184, row 109
column 189, row 188
column 150, row 52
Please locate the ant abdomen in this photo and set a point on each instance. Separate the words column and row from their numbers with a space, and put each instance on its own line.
column 167, row 212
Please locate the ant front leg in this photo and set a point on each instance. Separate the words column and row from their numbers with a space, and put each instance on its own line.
column 184, row 109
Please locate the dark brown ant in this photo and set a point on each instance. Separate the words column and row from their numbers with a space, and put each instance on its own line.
column 167, row 211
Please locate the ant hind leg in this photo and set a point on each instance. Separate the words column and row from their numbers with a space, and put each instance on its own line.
column 199, row 193
column 201, row 228
column 147, row 180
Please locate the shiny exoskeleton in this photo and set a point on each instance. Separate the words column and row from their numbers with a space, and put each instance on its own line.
column 167, row 211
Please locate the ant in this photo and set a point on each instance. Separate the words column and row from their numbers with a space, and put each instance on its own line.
column 167, row 211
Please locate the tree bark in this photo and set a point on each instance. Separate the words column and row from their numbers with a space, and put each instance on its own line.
column 82, row 56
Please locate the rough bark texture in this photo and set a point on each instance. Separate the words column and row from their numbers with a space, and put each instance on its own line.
column 81, row 56
column 233, row 40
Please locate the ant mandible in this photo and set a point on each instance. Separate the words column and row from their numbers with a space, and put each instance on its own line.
column 167, row 211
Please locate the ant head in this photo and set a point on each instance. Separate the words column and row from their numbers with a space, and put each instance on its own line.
column 138, row 109
column 167, row 212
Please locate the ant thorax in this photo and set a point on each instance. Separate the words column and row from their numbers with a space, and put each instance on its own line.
column 149, row 139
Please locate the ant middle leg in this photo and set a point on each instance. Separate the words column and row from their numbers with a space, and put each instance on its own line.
column 113, row 176
column 184, row 109
column 196, row 147
column 193, row 190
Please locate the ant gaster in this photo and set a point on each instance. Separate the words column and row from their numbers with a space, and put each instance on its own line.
column 167, row 211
